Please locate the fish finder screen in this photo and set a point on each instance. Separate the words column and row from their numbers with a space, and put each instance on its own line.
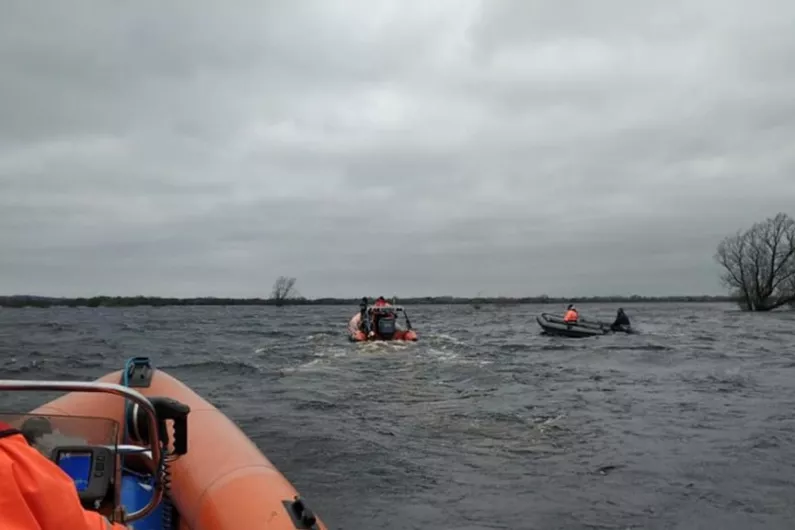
column 78, row 466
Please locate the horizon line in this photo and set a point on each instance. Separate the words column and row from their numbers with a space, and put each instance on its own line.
column 143, row 300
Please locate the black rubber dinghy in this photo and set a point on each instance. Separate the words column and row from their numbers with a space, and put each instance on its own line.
column 554, row 325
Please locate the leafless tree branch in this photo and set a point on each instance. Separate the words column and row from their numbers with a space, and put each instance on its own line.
column 283, row 289
column 759, row 264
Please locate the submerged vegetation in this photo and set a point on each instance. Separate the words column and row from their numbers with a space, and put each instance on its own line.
column 283, row 290
column 759, row 264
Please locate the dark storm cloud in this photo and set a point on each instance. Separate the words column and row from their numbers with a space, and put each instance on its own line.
column 417, row 147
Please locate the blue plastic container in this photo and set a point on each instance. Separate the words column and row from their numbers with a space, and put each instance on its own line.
column 135, row 493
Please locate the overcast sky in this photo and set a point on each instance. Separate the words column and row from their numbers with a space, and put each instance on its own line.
column 417, row 147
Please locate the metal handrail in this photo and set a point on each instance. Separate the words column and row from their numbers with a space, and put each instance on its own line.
column 107, row 388
column 129, row 449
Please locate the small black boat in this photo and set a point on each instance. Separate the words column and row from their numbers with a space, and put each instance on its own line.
column 554, row 325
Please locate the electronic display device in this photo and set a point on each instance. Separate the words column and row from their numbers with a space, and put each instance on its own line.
column 77, row 464
column 90, row 467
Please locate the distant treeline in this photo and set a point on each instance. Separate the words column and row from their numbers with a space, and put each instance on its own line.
column 155, row 301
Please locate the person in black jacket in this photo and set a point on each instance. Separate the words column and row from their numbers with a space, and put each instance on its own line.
column 622, row 321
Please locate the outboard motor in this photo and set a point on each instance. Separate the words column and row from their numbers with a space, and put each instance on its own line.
column 387, row 325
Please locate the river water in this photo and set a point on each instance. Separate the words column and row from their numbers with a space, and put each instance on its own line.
column 483, row 424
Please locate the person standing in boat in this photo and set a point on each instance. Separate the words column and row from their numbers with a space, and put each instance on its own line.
column 36, row 494
column 364, row 316
column 621, row 322
column 571, row 316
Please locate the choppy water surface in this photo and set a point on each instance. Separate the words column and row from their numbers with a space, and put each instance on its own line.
column 484, row 424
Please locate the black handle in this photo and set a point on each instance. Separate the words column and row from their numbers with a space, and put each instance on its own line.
column 299, row 512
column 171, row 409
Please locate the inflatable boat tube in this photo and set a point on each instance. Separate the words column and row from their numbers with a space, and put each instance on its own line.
column 221, row 482
column 554, row 325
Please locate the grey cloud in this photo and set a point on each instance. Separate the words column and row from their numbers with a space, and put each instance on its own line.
column 422, row 148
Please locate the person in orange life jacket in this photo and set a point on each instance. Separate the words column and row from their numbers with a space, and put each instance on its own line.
column 36, row 494
column 572, row 316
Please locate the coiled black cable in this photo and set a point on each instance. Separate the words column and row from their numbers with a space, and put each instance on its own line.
column 167, row 504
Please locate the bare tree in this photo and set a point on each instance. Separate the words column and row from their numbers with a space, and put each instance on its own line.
column 759, row 264
column 283, row 289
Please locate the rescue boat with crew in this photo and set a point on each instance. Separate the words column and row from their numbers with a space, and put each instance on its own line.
column 380, row 323
column 146, row 451
column 555, row 326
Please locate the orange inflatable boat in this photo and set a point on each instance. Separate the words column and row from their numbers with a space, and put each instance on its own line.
column 380, row 323
column 146, row 451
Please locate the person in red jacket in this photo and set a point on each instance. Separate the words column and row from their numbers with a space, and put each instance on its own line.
column 381, row 302
column 36, row 494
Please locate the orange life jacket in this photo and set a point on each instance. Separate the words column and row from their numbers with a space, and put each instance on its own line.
column 571, row 316
column 36, row 494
